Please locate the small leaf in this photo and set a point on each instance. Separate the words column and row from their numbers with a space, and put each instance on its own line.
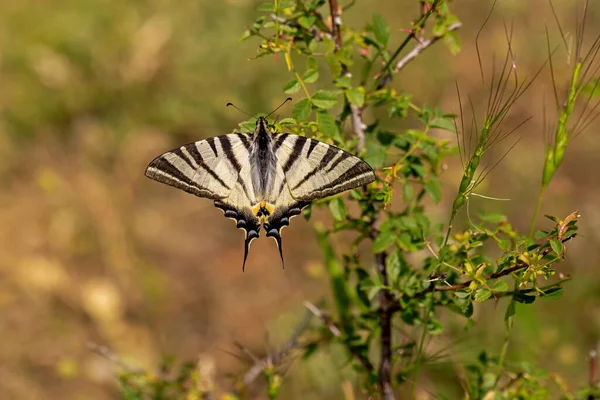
column 500, row 286
column 384, row 240
column 266, row 6
column 376, row 155
column 327, row 124
column 356, row 96
column 338, row 209
column 523, row 298
column 381, row 29
column 494, row 218
column 310, row 76
column 283, row 4
column 553, row 293
column 287, row 121
column 301, row 110
column 325, row 99
column 307, row 21
column 335, row 66
column 482, row 295
column 311, row 63
column 557, row 246
column 343, row 82
column 407, row 192
column 432, row 187
column 467, row 309
column 443, row 123
column 292, row 86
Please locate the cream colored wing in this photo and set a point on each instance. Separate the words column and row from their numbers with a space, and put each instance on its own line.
column 315, row 170
column 208, row 168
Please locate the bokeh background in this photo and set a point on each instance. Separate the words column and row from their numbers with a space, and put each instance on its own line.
column 91, row 250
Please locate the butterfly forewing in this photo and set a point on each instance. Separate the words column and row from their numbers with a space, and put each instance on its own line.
column 208, row 168
column 315, row 170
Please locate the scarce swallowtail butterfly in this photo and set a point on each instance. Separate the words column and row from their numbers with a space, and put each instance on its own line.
column 262, row 178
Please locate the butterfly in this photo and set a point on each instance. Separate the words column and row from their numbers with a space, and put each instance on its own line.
column 262, row 178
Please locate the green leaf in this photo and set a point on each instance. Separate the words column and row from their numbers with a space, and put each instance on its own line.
column 311, row 63
column 301, row 110
column 443, row 123
column 287, row 122
column 376, row 155
column 482, row 295
column 467, row 309
column 283, row 4
column 557, row 246
column 335, row 66
column 338, row 209
column 292, row 86
column 310, row 76
column 524, row 298
column 307, row 21
column 343, row 82
column 500, row 286
column 327, row 124
column 407, row 192
column 266, row 6
column 325, row 99
column 553, row 293
column 384, row 240
column 394, row 264
column 356, row 96
column 381, row 29
column 432, row 188
column 494, row 218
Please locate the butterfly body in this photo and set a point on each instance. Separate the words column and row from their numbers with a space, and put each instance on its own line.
column 261, row 179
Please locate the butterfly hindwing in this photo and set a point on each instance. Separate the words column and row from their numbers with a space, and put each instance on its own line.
column 207, row 168
column 315, row 170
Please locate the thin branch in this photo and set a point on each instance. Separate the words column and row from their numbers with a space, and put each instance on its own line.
column 105, row 352
column 358, row 126
column 336, row 23
column 336, row 331
column 385, row 322
column 274, row 359
column 433, row 288
column 421, row 46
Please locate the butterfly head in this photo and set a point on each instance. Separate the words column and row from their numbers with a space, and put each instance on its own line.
column 262, row 125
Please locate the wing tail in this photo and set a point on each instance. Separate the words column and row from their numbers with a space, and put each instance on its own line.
column 280, row 219
column 244, row 220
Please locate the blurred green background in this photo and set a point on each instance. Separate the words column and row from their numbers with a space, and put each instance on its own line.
column 91, row 250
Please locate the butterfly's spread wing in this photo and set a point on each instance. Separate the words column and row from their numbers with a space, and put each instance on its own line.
column 215, row 168
column 208, row 168
column 308, row 169
column 315, row 170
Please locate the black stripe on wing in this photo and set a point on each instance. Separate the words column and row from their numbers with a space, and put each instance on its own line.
column 193, row 151
column 163, row 171
column 329, row 155
column 244, row 220
column 296, row 151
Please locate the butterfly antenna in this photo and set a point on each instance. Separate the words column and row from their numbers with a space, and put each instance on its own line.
column 281, row 105
column 239, row 109
column 250, row 236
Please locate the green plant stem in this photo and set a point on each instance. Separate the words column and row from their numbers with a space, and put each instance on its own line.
column 420, row 350
column 502, row 354
column 536, row 211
